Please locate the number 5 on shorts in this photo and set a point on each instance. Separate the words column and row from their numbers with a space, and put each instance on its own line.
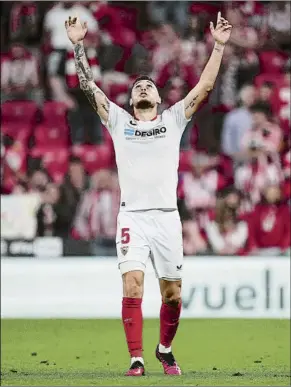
column 125, row 236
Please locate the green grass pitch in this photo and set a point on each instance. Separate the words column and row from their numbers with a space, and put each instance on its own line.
column 93, row 352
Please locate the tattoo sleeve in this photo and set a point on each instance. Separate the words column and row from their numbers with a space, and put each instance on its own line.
column 96, row 97
column 192, row 103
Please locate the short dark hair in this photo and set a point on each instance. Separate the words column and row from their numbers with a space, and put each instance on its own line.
column 75, row 159
column 143, row 78
column 230, row 189
column 268, row 84
column 261, row 107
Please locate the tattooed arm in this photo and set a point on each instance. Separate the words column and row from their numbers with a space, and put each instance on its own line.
column 206, row 82
column 95, row 95
column 220, row 34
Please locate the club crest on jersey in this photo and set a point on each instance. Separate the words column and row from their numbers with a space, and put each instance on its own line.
column 124, row 250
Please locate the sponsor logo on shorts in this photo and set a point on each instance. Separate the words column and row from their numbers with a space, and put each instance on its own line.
column 124, row 250
column 134, row 134
column 179, row 267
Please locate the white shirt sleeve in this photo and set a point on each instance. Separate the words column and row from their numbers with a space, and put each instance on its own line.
column 115, row 115
column 177, row 115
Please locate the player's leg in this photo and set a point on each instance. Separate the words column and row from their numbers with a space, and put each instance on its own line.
column 167, row 251
column 132, row 318
column 133, row 253
column 170, row 313
column 169, row 322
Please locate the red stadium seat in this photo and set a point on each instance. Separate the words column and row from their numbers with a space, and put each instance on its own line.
column 19, row 111
column 275, row 79
column 54, row 160
column 17, row 130
column 55, row 113
column 51, row 135
column 272, row 62
column 94, row 157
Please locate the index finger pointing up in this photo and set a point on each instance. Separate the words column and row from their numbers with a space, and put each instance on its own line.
column 218, row 16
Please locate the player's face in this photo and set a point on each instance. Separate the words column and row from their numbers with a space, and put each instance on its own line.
column 144, row 95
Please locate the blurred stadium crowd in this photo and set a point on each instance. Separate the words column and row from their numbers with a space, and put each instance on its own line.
column 234, row 176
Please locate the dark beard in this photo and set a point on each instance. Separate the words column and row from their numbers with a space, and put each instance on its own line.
column 144, row 105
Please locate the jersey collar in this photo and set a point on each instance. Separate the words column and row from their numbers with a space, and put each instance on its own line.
column 153, row 119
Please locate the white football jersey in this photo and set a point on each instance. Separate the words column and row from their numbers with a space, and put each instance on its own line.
column 147, row 157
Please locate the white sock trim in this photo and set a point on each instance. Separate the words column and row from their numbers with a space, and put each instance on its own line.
column 163, row 349
column 133, row 359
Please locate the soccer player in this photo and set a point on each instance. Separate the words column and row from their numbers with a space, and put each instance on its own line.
column 147, row 156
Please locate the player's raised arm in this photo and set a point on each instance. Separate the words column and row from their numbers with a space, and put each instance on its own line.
column 76, row 33
column 221, row 35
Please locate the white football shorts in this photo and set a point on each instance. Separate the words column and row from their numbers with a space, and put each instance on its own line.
column 153, row 234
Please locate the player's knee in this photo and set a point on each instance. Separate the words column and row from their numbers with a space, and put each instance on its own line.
column 173, row 300
column 133, row 284
column 172, row 295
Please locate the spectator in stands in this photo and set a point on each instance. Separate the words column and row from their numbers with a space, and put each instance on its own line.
column 118, row 38
column 38, row 181
column 13, row 164
column 193, row 242
column 54, row 22
column 196, row 25
column 255, row 13
column 164, row 37
column 252, row 175
column 279, row 23
column 20, row 75
column 237, row 122
column 265, row 92
column 270, row 223
column 47, row 216
column 24, row 21
column 97, row 210
column 163, row 12
column 75, row 183
column 201, row 185
column 242, row 36
column 63, row 81
column 227, row 234
column 85, row 124
column 244, row 40
column 281, row 99
column 174, row 80
column 224, row 94
column 263, row 135
column 177, row 71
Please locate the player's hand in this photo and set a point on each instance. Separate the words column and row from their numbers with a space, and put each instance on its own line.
column 222, row 31
column 75, row 29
